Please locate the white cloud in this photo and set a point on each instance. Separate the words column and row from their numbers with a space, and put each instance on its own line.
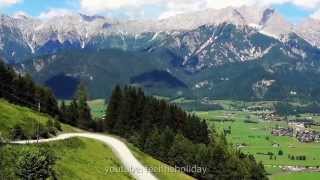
column 173, row 7
column 316, row 14
column 98, row 6
column 4, row 3
column 54, row 13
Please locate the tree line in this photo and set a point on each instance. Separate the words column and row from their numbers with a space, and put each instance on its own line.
column 77, row 112
column 176, row 137
column 287, row 109
column 21, row 90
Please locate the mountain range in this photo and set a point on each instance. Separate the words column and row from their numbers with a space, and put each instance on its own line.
column 244, row 53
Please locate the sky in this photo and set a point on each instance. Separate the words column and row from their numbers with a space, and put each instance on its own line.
column 293, row 10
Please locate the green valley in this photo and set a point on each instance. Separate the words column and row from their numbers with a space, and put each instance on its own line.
column 248, row 131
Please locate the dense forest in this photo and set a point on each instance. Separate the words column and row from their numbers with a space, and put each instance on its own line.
column 176, row 137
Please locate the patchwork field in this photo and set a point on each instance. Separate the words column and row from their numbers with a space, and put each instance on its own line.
column 296, row 176
column 253, row 135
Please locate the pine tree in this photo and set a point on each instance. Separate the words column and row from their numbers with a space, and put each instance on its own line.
column 64, row 112
column 73, row 113
column 122, row 124
column 85, row 118
column 180, row 153
column 204, row 132
column 113, row 109
column 166, row 141
column 153, row 143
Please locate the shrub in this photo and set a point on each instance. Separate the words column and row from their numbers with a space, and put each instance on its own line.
column 280, row 153
column 17, row 133
column 57, row 124
column 35, row 163
column 50, row 127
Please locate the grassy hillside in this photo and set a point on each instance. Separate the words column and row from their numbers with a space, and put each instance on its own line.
column 12, row 115
column 77, row 159
column 82, row 159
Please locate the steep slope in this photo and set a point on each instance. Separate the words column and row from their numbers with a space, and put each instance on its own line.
column 33, row 37
column 12, row 44
column 13, row 115
column 93, row 161
column 309, row 29
column 192, row 48
column 100, row 70
column 211, row 61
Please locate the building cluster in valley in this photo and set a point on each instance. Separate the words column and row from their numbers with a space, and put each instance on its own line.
column 298, row 130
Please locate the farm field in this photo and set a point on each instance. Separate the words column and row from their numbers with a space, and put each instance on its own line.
column 253, row 136
column 296, row 176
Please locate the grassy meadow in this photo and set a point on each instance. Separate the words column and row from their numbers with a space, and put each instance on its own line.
column 253, row 136
column 12, row 115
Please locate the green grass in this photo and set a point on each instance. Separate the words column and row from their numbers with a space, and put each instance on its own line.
column 296, row 176
column 257, row 138
column 83, row 159
column 98, row 108
column 162, row 174
column 11, row 115
column 86, row 159
column 239, row 105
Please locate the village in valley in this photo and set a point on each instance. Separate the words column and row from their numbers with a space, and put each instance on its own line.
column 299, row 128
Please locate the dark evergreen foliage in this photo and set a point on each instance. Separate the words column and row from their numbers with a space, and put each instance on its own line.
column 286, row 109
column 23, row 91
column 78, row 113
column 35, row 163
